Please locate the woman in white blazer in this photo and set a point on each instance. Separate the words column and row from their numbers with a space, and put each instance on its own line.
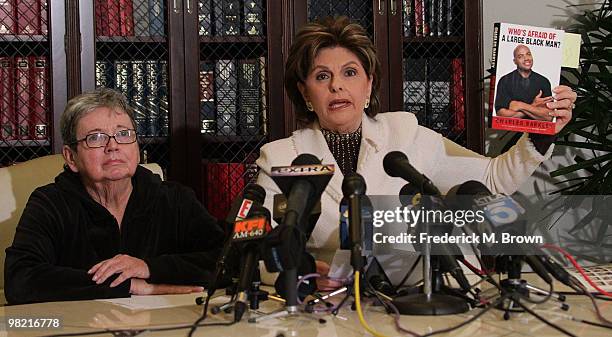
column 332, row 76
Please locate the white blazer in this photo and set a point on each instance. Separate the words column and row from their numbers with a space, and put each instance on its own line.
column 443, row 161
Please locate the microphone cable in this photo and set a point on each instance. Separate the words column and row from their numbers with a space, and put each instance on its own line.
column 362, row 320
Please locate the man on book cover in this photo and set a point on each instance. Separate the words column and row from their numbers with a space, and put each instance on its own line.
column 523, row 93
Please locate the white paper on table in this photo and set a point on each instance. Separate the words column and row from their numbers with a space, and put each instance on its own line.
column 151, row 302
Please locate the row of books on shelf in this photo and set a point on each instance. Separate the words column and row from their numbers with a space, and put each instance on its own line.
column 24, row 90
column 145, row 84
column 129, row 17
column 434, row 91
column 432, row 18
column 233, row 97
column 230, row 17
column 223, row 182
column 23, row 17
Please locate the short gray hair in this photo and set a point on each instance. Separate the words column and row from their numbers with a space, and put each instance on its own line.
column 84, row 103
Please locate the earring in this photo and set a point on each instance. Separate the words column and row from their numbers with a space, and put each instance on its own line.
column 309, row 106
column 367, row 105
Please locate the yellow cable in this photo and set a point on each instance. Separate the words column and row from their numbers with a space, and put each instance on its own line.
column 360, row 313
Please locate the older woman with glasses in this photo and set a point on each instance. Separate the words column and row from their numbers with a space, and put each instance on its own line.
column 108, row 227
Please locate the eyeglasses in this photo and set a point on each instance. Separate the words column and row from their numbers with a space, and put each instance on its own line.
column 101, row 139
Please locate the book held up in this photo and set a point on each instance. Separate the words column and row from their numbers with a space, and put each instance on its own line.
column 527, row 62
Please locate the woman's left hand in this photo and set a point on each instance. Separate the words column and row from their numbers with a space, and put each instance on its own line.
column 127, row 266
column 562, row 106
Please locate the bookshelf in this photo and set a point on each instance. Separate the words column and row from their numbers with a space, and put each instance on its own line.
column 31, row 61
column 218, row 92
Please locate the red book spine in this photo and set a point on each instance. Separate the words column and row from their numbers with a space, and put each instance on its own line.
column 112, row 17
column 457, row 94
column 224, row 182
column 44, row 17
column 7, row 96
column 7, row 17
column 22, row 100
column 126, row 14
column 101, row 14
column 28, row 17
column 40, row 90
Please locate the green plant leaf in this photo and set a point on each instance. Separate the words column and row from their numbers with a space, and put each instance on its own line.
column 582, row 165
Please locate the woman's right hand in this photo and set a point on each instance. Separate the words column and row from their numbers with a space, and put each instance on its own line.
column 324, row 283
column 142, row 287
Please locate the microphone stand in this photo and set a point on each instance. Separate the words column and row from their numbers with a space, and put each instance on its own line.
column 515, row 289
column 428, row 302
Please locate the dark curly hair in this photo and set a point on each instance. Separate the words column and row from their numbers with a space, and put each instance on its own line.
column 329, row 32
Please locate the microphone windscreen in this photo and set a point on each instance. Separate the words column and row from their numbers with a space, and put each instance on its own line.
column 254, row 192
column 391, row 162
column 306, row 159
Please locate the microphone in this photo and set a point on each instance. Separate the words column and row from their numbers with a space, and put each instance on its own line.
column 253, row 194
column 303, row 183
column 500, row 211
column 396, row 164
column 367, row 222
column 246, row 236
column 354, row 188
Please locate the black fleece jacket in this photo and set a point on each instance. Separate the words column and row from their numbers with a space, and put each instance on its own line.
column 63, row 232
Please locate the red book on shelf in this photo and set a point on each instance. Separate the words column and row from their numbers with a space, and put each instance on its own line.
column 224, row 182
column 7, row 17
column 23, row 101
column 457, row 95
column 112, row 18
column 44, row 17
column 28, row 17
column 7, row 99
column 40, row 91
column 101, row 17
column 126, row 14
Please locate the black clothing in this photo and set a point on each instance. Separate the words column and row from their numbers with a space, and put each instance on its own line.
column 63, row 232
column 514, row 87
column 345, row 148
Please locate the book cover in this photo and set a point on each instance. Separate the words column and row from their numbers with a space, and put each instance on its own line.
column 7, row 99
column 225, row 94
column 207, row 98
column 162, row 82
column 141, row 17
column 152, row 96
column 441, row 17
column 248, row 96
column 415, row 88
column 227, row 17
column 527, row 67
column 439, row 75
column 104, row 74
column 224, row 182
column 39, row 121
column 28, row 17
column 23, row 100
column 113, row 17
column 253, row 17
column 126, row 18
column 156, row 18
column 457, row 95
column 8, row 14
column 204, row 17
column 138, row 99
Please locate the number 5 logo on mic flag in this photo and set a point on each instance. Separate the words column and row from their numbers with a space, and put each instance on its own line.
column 500, row 209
